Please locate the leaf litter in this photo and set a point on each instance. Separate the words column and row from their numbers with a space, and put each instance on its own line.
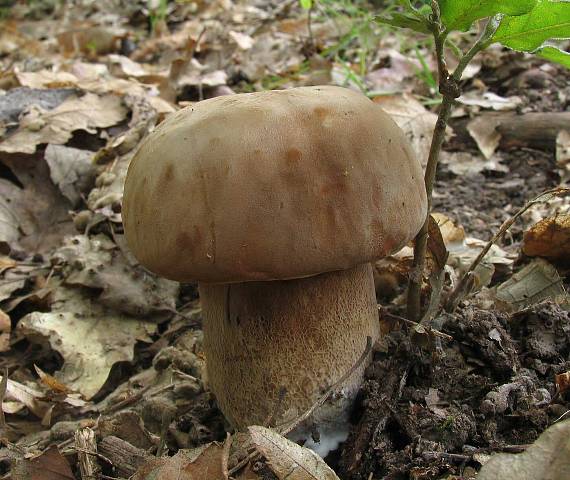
column 86, row 332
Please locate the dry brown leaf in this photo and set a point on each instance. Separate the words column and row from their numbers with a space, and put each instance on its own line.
column 484, row 131
column 93, row 41
column 51, row 382
column 562, row 381
column 95, row 262
column 536, row 282
column 49, row 465
column 5, row 329
column 46, row 79
column 563, row 154
column 38, row 212
column 546, row 459
column 72, row 170
column 24, row 395
column 549, row 238
column 90, row 338
column 287, row 459
column 203, row 463
column 88, row 112
column 489, row 100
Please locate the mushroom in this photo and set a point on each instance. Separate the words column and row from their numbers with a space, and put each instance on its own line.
column 275, row 203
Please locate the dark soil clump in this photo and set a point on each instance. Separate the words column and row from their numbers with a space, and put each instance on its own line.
column 426, row 413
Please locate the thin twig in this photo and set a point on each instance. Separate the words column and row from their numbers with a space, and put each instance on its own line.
column 433, row 331
column 271, row 417
column 226, row 455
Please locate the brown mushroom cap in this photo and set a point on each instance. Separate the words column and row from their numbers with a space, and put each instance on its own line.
column 272, row 185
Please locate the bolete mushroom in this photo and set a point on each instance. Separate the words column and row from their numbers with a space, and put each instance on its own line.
column 276, row 203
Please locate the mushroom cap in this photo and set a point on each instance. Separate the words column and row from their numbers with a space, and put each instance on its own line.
column 272, row 185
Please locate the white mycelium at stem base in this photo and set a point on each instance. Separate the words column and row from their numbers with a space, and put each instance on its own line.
column 276, row 202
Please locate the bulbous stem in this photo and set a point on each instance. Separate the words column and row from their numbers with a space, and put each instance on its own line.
column 301, row 335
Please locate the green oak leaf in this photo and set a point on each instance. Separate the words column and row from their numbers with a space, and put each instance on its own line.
column 306, row 4
column 554, row 54
column 548, row 19
column 460, row 14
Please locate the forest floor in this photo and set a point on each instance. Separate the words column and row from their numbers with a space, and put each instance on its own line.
column 91, row 344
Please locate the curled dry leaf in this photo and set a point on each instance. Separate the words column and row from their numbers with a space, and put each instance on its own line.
column 90, row 338
column 288, row 460
column 562, row 381
column 464, row 163
column 95, row 262
column 36, row 217
column 563, row 154
column 22, row 395
column 549, row 238
column 49, row 465
column 483, row 129
column 204, row 463
column 71, row 170
column 88, row 112
column 5, row 329
column 489, row 100
column 536, row 282
column 546, row 459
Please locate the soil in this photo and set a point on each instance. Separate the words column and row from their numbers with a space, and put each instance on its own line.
column 425, row 413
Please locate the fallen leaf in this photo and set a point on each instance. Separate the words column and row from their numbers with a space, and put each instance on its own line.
column 563, row 154
column 243, row 41
column 49, row 465
column 47, row 79
column 489, row 100
column 536, row 282
column 484, row 131
column 94, row 40
column 71, row 170
column 56, row 126
column 287, row 459
column 203, row 463
column 548, row 458
column 549, row 238
column 90, row 338
column 464, row 163
column 433, row 401
column 35, row 217
column 26, row 396
column 96, row 262
column 562, row 381
column 5, row 329
column 392, row 77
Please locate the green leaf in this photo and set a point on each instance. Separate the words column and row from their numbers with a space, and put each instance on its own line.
column 554, row 54
column 548, row 19
column 403, row 20
column 460, row 14
column 306, row 4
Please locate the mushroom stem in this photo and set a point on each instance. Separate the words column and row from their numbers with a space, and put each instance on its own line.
column 301, row 335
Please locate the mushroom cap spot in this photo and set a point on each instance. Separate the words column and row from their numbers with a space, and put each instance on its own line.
column 280, row 185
